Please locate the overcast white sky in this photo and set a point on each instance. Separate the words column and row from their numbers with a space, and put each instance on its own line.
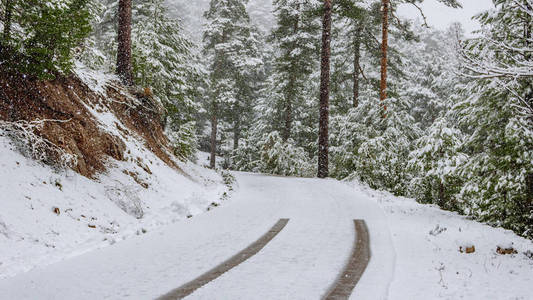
column 440, row 16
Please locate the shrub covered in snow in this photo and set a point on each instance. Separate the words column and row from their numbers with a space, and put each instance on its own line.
column 434, row 163
column 23, row 134
column 183, row 140
column 272, row 155
column 373, row 148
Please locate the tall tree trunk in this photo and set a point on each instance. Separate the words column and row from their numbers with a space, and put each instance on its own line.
column 214, row 121
column 442, row 195
column 527, row 30
column 236, row 133
column 124, row 67
column 323, row 140
column 529, row 189
column 384, row 48
column 356, row 64
column 529, row 95
column 527, row 37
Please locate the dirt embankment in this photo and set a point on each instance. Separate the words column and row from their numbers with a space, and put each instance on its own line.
column 70, row 100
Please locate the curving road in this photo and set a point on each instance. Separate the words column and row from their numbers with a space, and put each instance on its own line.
column 224, row 254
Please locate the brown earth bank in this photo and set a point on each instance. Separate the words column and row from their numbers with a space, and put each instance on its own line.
column 70, row 100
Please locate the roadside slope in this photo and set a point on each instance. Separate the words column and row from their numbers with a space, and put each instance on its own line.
column 122, row 179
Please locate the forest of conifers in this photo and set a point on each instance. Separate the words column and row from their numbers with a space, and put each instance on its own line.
column 337, row 88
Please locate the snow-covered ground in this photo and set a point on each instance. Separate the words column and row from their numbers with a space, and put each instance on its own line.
column 47, row 216
column 429, row 265
column 415, row 251
column 91, row 214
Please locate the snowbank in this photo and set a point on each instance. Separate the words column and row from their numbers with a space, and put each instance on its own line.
column 430, row 265
column 90, row 213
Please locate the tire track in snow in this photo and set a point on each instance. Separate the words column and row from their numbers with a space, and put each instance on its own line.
column 189, row 288
column 356, row 266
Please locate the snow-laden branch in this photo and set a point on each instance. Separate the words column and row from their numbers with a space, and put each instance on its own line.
column 526, row 109
column 528, row 9
column 23, row 134
column 484, row 67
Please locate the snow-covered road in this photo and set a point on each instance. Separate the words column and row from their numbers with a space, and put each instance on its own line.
column 301, row 262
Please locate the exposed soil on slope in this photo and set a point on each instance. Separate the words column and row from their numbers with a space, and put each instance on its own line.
column 67, row 98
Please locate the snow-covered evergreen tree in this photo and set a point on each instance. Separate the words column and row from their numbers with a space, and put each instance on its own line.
column 435, row 162
column 288, row 103
column 270, row 154
column 164, row 63
column 295, row 39
column 40, row 36
column 430, row 68
column 355, row 51
column 495, row 114
column 231, row 48
column 163, row 60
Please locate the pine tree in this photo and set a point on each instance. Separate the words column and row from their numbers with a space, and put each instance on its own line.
column 354, row 51
column 357, row 53
column 296, row 38
column 496, row 116
column 270, row 154
column 372, row 149
column 387, row 9
column 231, row 48
column 357, row 62
column 163, row 62
column 435, row 162
column 39, row 37
column 430, row 68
